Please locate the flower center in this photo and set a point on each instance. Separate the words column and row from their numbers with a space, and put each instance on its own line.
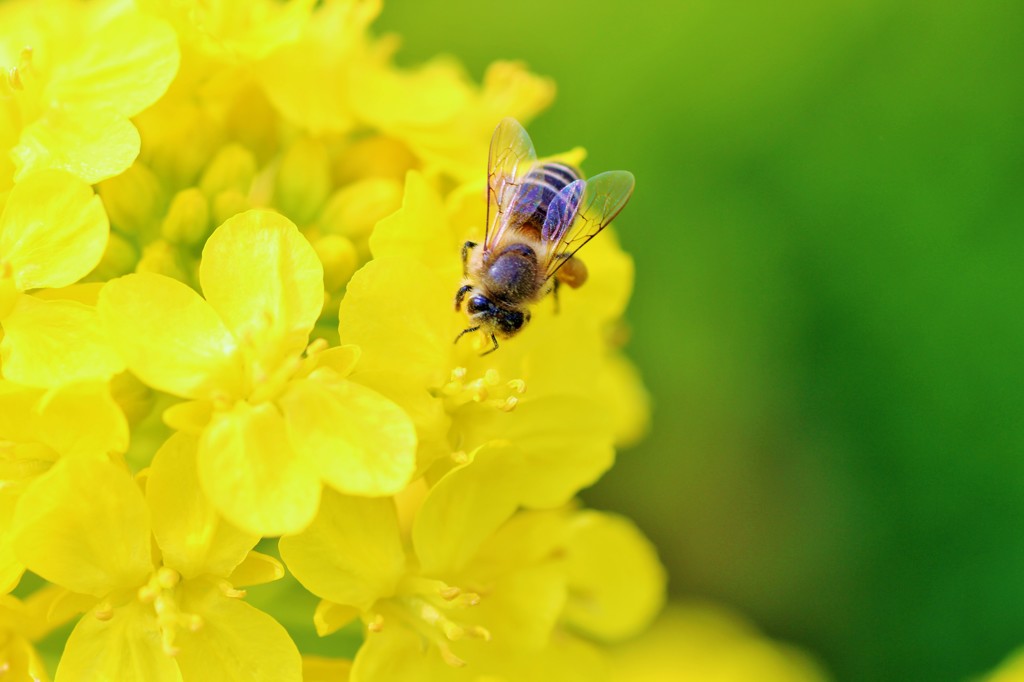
column 432, row 609
column 160, row 593
column 270, row 372
column 488, row 389
column 19, row 77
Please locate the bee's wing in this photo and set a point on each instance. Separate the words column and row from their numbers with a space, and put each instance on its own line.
column 581, row 210
column 510, row 159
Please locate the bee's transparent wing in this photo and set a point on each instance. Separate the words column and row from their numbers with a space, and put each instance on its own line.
column 581, row 210
column 511, row 158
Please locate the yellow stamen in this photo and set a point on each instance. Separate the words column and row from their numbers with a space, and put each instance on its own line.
column 488, row 389
column 429, row 608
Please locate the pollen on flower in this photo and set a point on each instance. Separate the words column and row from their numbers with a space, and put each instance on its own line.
column 431, row 609
column 488, row 389
column 159, row 592
column 103, row 611
column 16, row 74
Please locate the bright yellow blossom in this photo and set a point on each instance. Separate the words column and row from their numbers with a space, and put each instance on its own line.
column 554, row 407
column 70, row 85
column 274, row 418
column 486, row 611
column 273, row 257
column 37, row 428
column 170, row 614
column 52, row 233
column 23, row 622
column 701, row 642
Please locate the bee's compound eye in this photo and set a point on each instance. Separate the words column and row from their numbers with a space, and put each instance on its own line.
column 477, row 304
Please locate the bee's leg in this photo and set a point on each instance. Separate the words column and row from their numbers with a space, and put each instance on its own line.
column 461, row 294
column 494, row 340
column 465, row 331
column 465, row 254
column 554, row 292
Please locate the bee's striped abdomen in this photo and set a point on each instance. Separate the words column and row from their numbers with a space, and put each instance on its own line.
column 540, row 186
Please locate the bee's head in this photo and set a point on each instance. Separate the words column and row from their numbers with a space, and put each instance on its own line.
column 503, row 321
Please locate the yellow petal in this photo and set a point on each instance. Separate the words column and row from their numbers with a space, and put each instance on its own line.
column 522, row 607
column 75, row 419
column 360, row 442
column 234, row 29
column 236, row 643
column 53, row 230
column 426, row 412
column 419, row 230
column 252, row 475
column 84, row 525
column 464, row 507
column 616, row 581
column 260, row 274
column 443, row 117
column 125, row 66
column 705, row 642
column 341, row 359
column 397, row 654
column 330, row 617
column 83, row 418
column 193, row 537
column 256, row 569
column 561, row 446
column 351, row 554
column 92, row 144
column 400, row 313
column 50, row 343
column 170, row 337
column 125, row 647
column 10, row 568
column 19, row 660
column 189, row 417
column 294, row 82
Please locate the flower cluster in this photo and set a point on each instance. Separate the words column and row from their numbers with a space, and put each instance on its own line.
column 229, row 244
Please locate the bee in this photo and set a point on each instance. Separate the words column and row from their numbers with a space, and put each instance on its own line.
column 538, row 216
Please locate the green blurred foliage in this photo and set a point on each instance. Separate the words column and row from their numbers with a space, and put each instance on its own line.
column 829, row 233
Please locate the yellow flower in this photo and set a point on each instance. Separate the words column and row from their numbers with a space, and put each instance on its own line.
column 294, row 369
column 173, row 614
column 37, row 428
column 700, row 642
column 491, row 611
column 23, row 622
column 75, row 73
column 275, row 419
column 549, row 392
column 440, row 115
column 52, row 233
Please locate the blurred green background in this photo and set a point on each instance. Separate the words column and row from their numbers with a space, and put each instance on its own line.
column 829, row 234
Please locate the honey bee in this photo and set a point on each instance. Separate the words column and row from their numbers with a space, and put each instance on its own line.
column 538, row 216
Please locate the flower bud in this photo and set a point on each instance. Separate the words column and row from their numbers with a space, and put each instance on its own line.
column 303, row 181
column 132, row 199
column 233, row 168
column 188, row 218
column 339, row 259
